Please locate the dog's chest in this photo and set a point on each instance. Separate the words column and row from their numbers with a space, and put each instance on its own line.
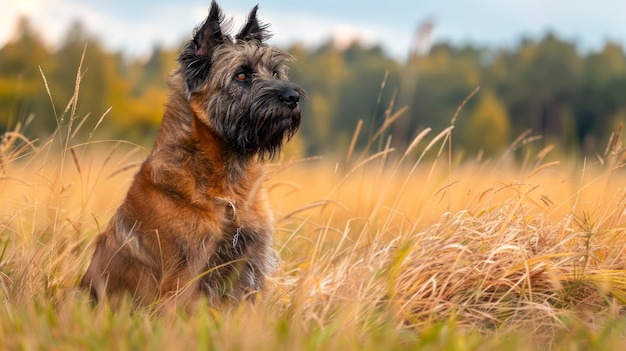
column 236, row 264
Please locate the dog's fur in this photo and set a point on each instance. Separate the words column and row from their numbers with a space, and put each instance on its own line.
column 196, row 219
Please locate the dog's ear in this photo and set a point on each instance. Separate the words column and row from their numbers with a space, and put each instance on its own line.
column 209, row 34
column 254, row 30
column 195, row 60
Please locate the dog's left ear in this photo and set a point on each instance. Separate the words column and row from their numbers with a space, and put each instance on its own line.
column 254, row 30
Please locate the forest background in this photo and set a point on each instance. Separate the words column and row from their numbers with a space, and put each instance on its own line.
column 573, row 98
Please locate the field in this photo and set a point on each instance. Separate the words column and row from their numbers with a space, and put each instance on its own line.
column 387, row 249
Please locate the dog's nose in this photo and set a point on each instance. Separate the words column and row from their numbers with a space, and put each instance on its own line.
column 290, row 97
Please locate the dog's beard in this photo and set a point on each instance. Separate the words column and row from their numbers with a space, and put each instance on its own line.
column 256, row 122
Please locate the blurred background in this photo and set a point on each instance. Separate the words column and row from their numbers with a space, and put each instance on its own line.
column 555, row 67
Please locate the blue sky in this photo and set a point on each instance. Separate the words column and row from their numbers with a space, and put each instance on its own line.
column 135, row 26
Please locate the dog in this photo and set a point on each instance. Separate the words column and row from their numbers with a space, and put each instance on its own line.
column 196, row 221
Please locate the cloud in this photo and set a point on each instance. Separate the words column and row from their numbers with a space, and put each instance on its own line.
column 135, row 27
column 51, row 19
column 290, row 27
column 136, row 36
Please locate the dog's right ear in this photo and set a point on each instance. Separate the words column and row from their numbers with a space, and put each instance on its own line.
column 195, row 60
column 209, row 34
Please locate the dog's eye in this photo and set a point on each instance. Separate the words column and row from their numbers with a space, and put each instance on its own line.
column 241, row 76
column 275, row 74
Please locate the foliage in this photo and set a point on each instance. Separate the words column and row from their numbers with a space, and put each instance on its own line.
column 487, row 127
column 128, row 93
column 572, row 98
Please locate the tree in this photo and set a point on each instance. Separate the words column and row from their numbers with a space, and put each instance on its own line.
column 442, row 80
column 488, row 127
column 603, row 95
column 549, row 80
column 20, row 93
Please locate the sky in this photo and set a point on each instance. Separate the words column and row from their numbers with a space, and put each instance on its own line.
column 136, row 26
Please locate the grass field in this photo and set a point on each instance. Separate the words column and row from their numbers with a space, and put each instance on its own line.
column 389, row 250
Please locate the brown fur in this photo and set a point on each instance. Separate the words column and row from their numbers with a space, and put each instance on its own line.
column 196, row 220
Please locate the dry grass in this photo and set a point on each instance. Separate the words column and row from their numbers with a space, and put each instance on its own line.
column 395, row 249
column 496, row 247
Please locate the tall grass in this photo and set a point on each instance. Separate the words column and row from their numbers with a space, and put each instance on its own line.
column 391, row 249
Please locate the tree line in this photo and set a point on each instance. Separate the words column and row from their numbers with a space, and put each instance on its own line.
column 573, row 98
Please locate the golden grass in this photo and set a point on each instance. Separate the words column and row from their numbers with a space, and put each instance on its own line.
column 395, row 248
column 497, row 247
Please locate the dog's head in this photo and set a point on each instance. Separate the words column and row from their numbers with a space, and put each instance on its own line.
column 241, row 84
